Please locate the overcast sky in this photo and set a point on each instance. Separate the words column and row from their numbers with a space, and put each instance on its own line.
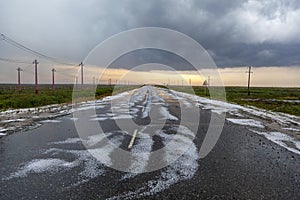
column 234, row 32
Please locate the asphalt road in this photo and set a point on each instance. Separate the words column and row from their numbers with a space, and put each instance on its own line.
column 52, row 162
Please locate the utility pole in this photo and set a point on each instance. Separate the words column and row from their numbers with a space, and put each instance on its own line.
column 19, row 79
column 190, row 82
column 82, row 85
column 53, row 71
column 109, row 82
column 249, row 76
column 206, row 85
column 93, row 81
column 76, row 82
column 36, row 76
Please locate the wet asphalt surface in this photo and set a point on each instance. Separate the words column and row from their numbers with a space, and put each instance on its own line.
column 242, row 165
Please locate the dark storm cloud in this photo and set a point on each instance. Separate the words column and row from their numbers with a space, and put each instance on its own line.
column 235, row 32
column 140, row 57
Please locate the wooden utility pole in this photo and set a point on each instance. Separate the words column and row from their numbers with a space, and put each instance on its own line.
column 53, row 71
column 19, row 79
column 249, row 76
column 207, row 86
column 82, row 84
column 76, row 82
column 36, row 76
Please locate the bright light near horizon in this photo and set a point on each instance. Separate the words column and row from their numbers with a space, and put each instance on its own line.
column 236, row 76
column 262, row 76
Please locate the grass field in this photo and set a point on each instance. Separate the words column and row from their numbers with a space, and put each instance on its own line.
column 10, row 98
column 286, row 100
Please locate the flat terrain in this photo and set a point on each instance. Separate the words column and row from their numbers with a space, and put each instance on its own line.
column 285, row 100
column 11, row 98
column 52, row 162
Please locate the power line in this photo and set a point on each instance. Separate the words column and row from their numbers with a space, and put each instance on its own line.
column 14, row 61
column 64, row 74
column 27, row 71
column 27, row 66
column 37, row 54
column 22, row 47
column 31, row 51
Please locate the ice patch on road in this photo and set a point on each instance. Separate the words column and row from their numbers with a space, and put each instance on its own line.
column 50, row 165
column 89, row 142
column 94, row 139
column 281, row 139
column 156, row 97
column 2, row 130
column 147, row 104
column 99, row 119
column 68, row 141
column 212, row 108
column 141, row 152
column 183, row 168
column 167, row 114
column 122, row 117
column 91, row 167
column 51, row 121
column 246, row 122
column 12, row 120
column 221, row 106
column 87, row 106
column 74, row 118
column 292, row 129
column 103, row 153
column 186, row 103
column 267, row 118
column 139, row 95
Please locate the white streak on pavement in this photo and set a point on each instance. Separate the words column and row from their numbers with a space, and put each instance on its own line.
column 247, row 122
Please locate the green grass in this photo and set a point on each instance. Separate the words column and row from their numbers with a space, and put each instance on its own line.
column 10, row 98
column 261, row 97
column 264, row 98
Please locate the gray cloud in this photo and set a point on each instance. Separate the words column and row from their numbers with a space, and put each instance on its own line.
column 235, row 32
column 140, row 57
